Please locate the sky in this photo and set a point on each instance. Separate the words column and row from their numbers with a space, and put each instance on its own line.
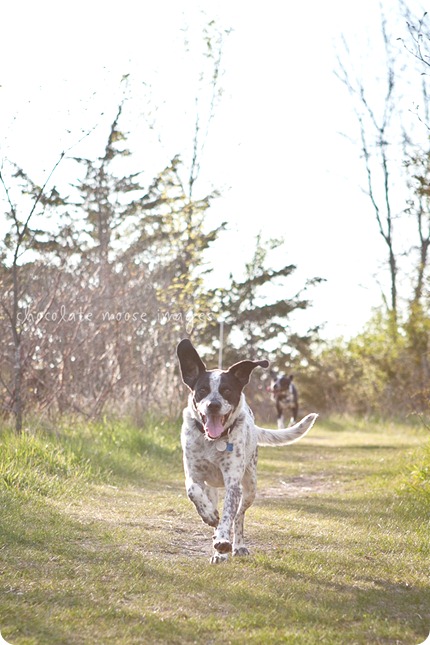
column 282, row 145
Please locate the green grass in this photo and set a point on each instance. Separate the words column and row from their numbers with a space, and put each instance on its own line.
column 98, row 543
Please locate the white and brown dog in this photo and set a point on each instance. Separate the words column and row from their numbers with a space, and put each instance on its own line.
column 220, row 442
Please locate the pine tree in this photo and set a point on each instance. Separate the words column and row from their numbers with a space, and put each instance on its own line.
column 256, row 318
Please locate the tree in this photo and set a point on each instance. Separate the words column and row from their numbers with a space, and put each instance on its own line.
column 418, row 166
column 391, row 129
column 256, row 311
column 108, row 290
column 378, row 141
column 20, row 238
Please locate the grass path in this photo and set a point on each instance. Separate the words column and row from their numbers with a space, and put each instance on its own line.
column 340, row 554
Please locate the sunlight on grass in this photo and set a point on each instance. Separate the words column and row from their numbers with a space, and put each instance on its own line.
column 98, row 539
column 52, row 461
column 33, row 464
column 419, row 479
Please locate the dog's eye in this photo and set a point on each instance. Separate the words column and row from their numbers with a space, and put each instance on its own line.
column 226, row 391
column 202, row 391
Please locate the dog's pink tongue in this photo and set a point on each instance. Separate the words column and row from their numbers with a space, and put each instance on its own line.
column 214, row 427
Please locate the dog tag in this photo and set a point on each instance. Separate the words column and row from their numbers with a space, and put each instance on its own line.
column 224, row 446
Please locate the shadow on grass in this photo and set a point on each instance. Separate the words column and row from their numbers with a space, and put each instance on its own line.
column 360, row 511
column 65, row 581
column 61, row 577
column 332, row 601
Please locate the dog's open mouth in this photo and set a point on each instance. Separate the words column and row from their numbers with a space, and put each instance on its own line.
column 214, row 425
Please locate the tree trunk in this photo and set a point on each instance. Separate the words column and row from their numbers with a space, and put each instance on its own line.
column 17, row 402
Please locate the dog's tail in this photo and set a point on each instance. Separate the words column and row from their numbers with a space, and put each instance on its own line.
column 287, row 435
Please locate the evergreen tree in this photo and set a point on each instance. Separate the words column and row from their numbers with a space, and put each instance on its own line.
column 256, row 318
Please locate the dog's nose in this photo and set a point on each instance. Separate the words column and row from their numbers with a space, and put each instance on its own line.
column 214, row 407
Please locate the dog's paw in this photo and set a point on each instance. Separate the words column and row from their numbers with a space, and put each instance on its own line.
column 219, row 558
column 242, row 550
column 212, row 519
column 222, row 546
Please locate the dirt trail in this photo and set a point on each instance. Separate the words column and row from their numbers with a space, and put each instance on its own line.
column 299, row 486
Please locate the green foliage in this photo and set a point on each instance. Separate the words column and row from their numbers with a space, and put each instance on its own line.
column 375, row 373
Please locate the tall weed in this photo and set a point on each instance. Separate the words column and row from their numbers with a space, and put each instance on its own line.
column 419, row 479
column 40, row 464
column 54, row 459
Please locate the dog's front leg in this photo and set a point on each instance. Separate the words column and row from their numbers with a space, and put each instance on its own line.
column 280, row 413
column 222, row 536
column 205, row 500
column 249, row 489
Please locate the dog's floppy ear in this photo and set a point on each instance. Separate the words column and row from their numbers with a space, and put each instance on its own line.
column 242, row 371
column 190, row 363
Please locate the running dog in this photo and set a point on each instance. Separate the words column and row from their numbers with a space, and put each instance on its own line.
column 284, row 394
column 220, row 442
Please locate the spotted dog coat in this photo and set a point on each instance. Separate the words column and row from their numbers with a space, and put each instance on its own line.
column 220, row 442
column 286, row 398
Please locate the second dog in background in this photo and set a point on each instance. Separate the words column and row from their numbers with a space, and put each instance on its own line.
column 286, row 398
